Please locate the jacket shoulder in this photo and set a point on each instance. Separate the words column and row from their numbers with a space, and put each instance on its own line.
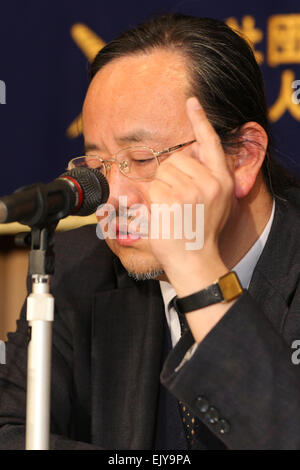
column 82, row 259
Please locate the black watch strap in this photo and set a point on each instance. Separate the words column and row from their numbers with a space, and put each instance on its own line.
column 227, row 288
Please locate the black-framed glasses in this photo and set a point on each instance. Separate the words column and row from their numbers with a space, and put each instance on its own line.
column 138, row 163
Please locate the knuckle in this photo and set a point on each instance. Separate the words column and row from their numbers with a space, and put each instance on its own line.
column 214, row 189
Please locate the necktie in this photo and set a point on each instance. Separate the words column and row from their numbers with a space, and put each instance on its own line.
column 190, row 422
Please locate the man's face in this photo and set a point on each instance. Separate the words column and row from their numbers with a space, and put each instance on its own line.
column 136, row 100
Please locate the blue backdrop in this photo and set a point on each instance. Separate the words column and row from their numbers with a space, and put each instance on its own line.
column 45, row 49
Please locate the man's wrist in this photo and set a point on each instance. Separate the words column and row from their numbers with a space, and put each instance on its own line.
column 225, row 289
column 191, row 278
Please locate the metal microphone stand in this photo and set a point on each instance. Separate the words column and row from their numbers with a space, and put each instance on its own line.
column 40, row 309
column 40, row 315
column 43, row 216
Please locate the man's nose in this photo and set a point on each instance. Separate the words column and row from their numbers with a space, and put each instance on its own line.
column 120, row 186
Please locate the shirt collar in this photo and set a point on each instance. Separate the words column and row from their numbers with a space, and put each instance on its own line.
column 245, row 267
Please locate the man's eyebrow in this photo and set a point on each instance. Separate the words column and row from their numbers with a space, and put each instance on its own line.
column 136, row 136
column 89, row 146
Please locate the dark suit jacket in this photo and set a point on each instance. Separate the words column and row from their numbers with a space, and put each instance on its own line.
column 107, row 350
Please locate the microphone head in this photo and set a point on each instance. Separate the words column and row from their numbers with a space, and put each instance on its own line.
column 94, row 187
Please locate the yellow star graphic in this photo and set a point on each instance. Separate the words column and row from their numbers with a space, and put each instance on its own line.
column 90, row 44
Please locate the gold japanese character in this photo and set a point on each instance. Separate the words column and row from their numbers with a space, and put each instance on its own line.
column 283, row 39
column 249, row 32
column 285, row 100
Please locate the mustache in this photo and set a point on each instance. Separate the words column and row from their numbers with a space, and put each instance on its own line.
column 124, row 216
column 130, row 213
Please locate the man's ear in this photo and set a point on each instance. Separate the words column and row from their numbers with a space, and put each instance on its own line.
column 248, row 162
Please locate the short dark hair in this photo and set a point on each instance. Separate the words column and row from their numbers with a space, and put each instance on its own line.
column 224, row 76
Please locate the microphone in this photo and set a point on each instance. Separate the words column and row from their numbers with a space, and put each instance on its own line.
column 76, row 192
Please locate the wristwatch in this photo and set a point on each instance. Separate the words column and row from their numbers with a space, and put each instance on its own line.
column 227, row 288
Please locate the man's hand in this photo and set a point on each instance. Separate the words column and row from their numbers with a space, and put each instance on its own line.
column 197, row 175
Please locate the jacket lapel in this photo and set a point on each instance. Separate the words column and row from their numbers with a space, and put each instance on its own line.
column 276, row 274
column 127, row 337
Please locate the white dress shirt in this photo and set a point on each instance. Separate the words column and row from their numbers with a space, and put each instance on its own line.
column 244, row 269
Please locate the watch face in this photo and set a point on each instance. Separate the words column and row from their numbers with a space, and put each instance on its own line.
column 230, row 286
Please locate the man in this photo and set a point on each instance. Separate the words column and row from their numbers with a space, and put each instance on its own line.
column 229, row 382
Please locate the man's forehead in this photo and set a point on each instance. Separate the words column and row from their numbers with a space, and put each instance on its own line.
column 136, row 73
column 132, row 105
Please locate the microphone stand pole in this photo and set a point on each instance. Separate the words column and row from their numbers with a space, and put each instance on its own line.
column 40, row 303
column 40, row 315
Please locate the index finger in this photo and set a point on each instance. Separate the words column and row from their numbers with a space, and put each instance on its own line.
column 210, row 147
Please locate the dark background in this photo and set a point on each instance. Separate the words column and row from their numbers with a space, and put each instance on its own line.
column 45, row 73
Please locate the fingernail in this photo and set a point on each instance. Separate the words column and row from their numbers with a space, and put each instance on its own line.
column 193, row 103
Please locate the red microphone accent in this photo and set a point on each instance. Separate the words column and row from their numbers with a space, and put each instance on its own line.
column 79, row 193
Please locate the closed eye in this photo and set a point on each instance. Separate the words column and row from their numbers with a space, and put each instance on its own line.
column 147, row 160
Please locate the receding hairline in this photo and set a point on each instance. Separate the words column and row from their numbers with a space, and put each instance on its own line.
column 186, row 60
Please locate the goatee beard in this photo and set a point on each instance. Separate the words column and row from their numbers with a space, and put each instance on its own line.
column 150, row 275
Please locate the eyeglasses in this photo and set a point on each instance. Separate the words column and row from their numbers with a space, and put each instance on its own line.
column 138, row 163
